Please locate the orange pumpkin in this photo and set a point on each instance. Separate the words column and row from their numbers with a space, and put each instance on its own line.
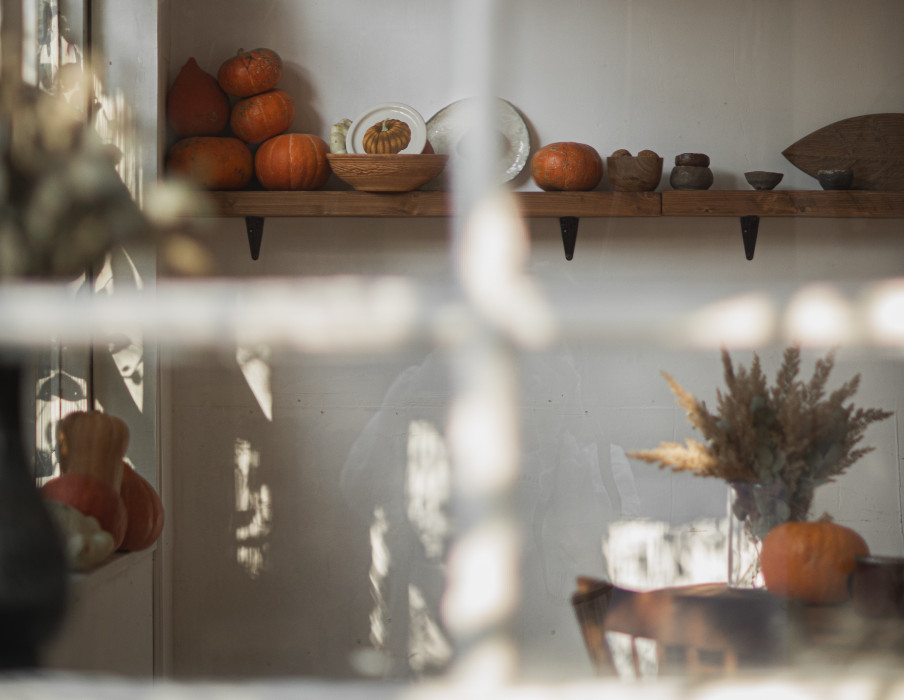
column 91, row 496
column 292, row 162
column 257, row 118
column 387, row 136
column 250, row 72
column 94, row 443
column 144, row 508
column 195, row 103
column 810, row 561
column 567, row 165
column 212, row 162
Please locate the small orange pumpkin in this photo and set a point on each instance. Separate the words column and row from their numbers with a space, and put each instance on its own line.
column 250, row 72
column 292, row 162
column 387, row 136
column 212, row 162
column 144, row 508
column 195, row 103
column 567, row 165
column 257, row 118
column 810, row 561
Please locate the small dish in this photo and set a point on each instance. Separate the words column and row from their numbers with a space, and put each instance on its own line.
column 634, row 173
column 448, row 131
column 354, row 139
column 763, row 179
column 839, row 179
column 386, row 172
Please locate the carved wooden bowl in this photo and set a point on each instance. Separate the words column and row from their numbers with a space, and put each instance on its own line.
column 373, row 172
column 634, row 173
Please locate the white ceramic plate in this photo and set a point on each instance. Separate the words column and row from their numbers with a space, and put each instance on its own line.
column 354, row 139
column 447, row 131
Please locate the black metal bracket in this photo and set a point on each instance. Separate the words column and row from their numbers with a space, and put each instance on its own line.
column 569, row 226
column 255, row 228
column 750, row 226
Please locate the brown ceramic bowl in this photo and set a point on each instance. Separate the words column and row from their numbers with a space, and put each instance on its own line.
column 763, row 179
column 695, row 160
column 877, row 586
column 387, row 172
column 634, row 173
column 691, row 177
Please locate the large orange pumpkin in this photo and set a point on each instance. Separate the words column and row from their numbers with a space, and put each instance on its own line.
column 567, row 165
column 195, row 104
column 250, row 72
column 810, row 561
column 292, row 162
column 92, row 496
column 212, row 162
column 144, row 508
column 257, row 118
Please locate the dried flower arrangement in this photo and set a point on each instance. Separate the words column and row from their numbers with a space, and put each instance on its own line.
column 773, row 445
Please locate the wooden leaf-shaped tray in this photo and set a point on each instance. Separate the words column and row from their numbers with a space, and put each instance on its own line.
column 872, row 145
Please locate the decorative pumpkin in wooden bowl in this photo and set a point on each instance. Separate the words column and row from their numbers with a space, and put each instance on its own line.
column 387, row 172
column 388, row 136
column 567, row 165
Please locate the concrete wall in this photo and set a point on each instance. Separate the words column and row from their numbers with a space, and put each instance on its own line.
column 310, row 509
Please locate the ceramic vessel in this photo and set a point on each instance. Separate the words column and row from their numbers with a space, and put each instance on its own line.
column 691, row 177
column 387, row 173
column 763, row 179
column 634, row 173
column 839, row 179
column 698, row 160
column 877, row 586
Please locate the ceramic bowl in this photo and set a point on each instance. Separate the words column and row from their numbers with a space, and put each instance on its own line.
column 634, row 173
column 763, row 179
column 699, row 160
column 691, row 177
column 387, row 172
column 840, row 179
column 877, row 586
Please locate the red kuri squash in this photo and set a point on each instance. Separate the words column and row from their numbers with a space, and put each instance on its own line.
column 144, row 508
column 250, row 72
column 810, row 561
column 91, row 496
column 292, row 162
column 195, row 104
column 257, row 118
column 567, row 165
column 212, row 162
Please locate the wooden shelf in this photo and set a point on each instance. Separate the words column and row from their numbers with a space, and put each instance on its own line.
column 568, row 207
column 806, row 203
column 733, row 203
column 351, row 203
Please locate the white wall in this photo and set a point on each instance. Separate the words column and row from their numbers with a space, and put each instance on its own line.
column 275, row 519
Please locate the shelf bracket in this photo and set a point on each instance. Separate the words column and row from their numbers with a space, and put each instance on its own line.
column 569, row 227
column 750, row 225
column 255, row 227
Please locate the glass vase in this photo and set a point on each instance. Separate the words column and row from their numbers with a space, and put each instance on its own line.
column 753, row 510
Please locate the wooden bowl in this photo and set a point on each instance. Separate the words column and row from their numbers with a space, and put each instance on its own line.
column 387, row 172
column 634, row 173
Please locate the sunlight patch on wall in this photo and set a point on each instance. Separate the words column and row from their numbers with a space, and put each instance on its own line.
column 647, row 554
column 255, row 366
column 379, row 569
column 428, row 648
column 428, row 485
column 253, row 505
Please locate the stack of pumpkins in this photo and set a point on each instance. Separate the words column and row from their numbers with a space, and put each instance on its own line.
column 99, row 502
column 218, row 122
